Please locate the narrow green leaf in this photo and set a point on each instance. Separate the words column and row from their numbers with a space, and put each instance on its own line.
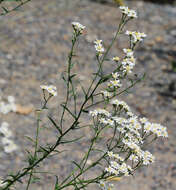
column 30, row 139
column 72, row 76
column 68, row 111
column 5, row 9
column 74, row 140
column 85, row 94
column 55, row 125
column 76, row 164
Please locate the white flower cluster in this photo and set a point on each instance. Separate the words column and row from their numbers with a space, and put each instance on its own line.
column 128, row 62
column 106, row 94
column 8, row 107
column 116, row 168
column 155, row 128
column 129, row 12
column 105, row 186
column 136, row 36
column 121, row 105
column 116, row 156
column 78, row 27
column 115, row 83
column 52, row 90
column 9, row 145
column 128, row 52
column 134, row 130
column 99, row 47
column 100, row 111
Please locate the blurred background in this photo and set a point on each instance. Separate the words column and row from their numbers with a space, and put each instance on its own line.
column 34, row 43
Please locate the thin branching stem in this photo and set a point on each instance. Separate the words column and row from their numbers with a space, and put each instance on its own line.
column 7, row 11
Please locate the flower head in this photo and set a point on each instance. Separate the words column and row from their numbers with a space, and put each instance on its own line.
column 99, row 47
column 136, row 36
column 78, row 27
column 106, row 94
column 114, row 84
column 52, row 90
column 129, row 12
column 128, row 52
column 116, row 58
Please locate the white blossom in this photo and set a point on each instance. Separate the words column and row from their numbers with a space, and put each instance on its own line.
column 52, row 90
column 136, row 36
column 116, row 58
column 128, row 52
column 106, row 94
column 129, row 12
column 78, row 27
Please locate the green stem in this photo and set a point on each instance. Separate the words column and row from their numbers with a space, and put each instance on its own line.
column 120, row 27
column 68, row 78
column 101, row 101
column 36, row 146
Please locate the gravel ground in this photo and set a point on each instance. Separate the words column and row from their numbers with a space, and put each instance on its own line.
column 33, row 50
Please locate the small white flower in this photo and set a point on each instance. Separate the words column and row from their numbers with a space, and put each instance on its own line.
column 159, row 130
column 111, row 170
column 128, row 52
column 147, row 157
column 116, row 59
column 130, row 114
column 110, row 154
column 147, row 127
column 99, row 111
column 136, row 36
column 98, row 42
column 103, row 112
column 116, row 156
column 129, row 33
column 124, row 9
column 93, row 113
column 121, row 104
column 103, row 121
column 133, row 120
column 119, row 120
column 132, row 14
column 114, row 164
column 129, row 12
column 102, row 185
column 115, row 75
column 106, row 94
column 78, row 27
column 52, row 90
column 99, row 48
column 134, row 158
column 127, row 69
column 110, row 122
column 143, row 120
column 128, row 61
column 114, row 84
